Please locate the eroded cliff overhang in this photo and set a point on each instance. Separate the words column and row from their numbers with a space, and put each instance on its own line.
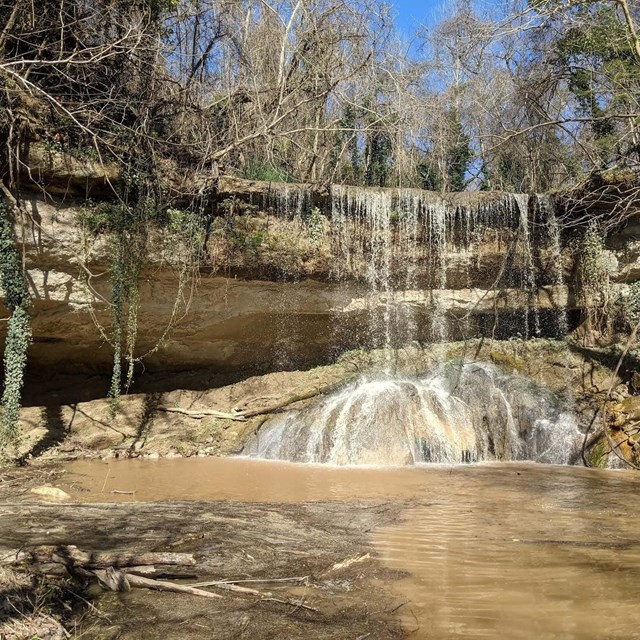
column 292, row 275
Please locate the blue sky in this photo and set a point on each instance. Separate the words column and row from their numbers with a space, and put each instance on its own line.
column 411, row 13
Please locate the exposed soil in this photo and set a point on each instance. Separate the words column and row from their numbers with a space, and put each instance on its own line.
column 62, row 420
column 230, row 541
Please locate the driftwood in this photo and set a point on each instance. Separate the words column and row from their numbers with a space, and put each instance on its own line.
column 228, row 586
column 254, row 580
column 71, row 556
column 121, row 571
column 243, row 416
column 298, row 604
column 265, row 596
column 117, row 580
column 199, row 414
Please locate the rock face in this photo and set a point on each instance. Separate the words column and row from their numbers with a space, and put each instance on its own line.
column 286, row 284
column 70, row 426
column 459, row 412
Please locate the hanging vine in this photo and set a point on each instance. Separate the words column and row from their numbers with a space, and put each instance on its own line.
column 18, row 339
column 178, row 237
column 129, row 239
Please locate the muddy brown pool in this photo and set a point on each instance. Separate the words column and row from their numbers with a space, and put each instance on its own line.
column 514, row 551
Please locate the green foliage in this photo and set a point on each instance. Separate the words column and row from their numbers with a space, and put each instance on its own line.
column 593, row 278
column 255, row 241
column 18, row 331
column 15, row 289
column 314, row 223
column 128, row 226
column 95, row 218
column 596, row 55
column 379, row 159
column 627, row 307
column 351, row 170
column 430, row 178
column 188, row 228
column 266, row 171
column 177, row 219
column 594, row 266
column 598, row 455
column 129, row 229
column 346, row 158
column 15, row 362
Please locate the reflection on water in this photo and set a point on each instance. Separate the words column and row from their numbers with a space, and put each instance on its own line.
column 521, row 553
column 518, row 551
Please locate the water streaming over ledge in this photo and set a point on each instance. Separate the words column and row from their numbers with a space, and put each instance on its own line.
column 413, row 251
column 459, row 413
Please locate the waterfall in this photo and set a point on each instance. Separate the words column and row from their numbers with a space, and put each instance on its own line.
column 408, row 253
column 400, row 258
column 405, row 245
column 464, row 412
column 528, row 281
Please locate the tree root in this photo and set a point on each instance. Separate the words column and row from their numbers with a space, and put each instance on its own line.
column 243, row 416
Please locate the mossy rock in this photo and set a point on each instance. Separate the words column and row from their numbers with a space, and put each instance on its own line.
column 506, row 360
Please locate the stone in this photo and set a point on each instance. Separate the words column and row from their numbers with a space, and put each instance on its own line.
column 252, row 320
column 51, row 493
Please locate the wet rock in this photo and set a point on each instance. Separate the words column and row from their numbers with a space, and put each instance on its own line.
column 51, row 493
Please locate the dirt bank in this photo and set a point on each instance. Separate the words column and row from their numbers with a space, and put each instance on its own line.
column 326, row 543
column 175, row 415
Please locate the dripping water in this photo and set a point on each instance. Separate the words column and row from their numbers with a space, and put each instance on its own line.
column 399, row 246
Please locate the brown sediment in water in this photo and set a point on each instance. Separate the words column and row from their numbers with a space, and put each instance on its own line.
column 520, row 551
column 237, row 479
column 343, row 595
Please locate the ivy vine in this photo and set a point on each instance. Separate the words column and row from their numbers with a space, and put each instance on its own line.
column 18, row 339
column 128, row 225
column 129, row 239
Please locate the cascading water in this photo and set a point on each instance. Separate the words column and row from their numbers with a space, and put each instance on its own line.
column 464, row 412
column 527, row 266
column 411, row 252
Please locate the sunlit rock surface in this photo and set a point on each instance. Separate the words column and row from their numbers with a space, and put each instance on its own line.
column 460, row 413
column 294, row 279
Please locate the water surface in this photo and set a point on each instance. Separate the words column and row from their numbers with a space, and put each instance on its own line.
column 513, row 551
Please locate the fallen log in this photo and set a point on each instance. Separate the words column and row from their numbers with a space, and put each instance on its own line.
column 70, row 555
column 199, row 414
column 243, row 416
column 290, row 400
column 113, row 579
